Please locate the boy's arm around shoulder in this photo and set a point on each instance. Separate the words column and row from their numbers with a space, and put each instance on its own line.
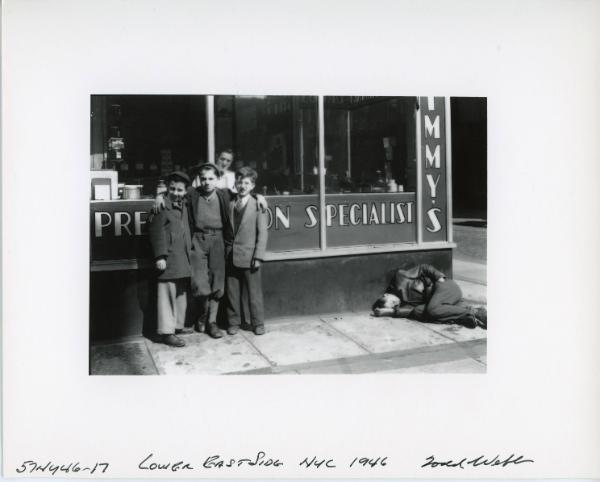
column 156, row 232
column 262, row 234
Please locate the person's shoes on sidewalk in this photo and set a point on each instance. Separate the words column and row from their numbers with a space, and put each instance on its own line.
column 259, row 330
column 173, row 340
column 214, row 331
column 233, row 330
column 481, row 317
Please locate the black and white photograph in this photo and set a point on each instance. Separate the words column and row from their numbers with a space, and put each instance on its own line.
column 266, row 234
column 262, row 240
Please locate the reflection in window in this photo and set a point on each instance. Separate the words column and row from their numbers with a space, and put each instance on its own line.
column 276, row 135
column 370, row 144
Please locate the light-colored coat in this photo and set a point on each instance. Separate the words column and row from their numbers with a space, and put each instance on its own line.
column 250, row 238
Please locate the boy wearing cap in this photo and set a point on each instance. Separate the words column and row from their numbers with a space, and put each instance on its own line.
column 171, row 241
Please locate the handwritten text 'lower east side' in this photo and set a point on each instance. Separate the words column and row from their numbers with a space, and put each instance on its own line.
column 152, row 463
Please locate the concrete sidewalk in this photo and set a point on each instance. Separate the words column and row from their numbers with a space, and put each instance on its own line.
column 343, row 343
column 472, row 279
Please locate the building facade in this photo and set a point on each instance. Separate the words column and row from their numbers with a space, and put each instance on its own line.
column 356, row 186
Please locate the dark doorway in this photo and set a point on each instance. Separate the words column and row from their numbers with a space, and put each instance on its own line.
column 469, row 158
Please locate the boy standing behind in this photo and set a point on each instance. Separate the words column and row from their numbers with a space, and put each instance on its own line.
column 171, row 244
column 249, row 225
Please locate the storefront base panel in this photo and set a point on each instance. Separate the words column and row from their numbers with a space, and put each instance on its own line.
column 123, row 303
column 337, row 284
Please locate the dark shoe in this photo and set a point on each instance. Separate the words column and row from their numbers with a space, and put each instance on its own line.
column 214, row 331
column 200, row 327
column 232, row 330
column 468, row 321
column 186, row 330
column 481, row 316
column 173, row 340
column 259, row 330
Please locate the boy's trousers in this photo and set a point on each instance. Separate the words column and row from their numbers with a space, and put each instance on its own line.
column 244, row 284
column 172, row 303
column 208, row 264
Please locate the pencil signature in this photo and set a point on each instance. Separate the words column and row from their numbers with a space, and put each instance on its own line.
column 496, row 461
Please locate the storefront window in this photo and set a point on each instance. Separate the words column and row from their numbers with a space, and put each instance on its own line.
column 276, row 135
column 370, row 144
column 145, row 137
column 370, row 164
column 370, row 161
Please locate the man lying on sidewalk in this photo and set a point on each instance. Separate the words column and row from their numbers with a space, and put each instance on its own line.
column 424, row 294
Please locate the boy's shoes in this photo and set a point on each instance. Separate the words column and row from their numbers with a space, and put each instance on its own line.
column 186, row 330
column 214, row 331
column 173, row 340
column 481, row 317
column 232, row 330
column 200, row 327
column 259, row 330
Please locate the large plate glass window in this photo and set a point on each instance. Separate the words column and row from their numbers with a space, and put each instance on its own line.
column 370, row 162
column 278, row 137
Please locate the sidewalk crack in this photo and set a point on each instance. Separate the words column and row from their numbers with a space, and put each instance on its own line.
column 260, row 353
column 345, row 335
column 158, row 372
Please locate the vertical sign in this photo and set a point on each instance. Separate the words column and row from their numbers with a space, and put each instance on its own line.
column 433, row 159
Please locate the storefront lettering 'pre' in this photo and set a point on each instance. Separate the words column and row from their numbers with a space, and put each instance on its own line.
column 119, row 223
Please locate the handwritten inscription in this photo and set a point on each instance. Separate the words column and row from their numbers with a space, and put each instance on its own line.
column 317, row 463
column 149, row 464
column 496, row 461
column 33, row 467
column 368, row 462
column 325, row 463
column 261, row 460
column 216, row 461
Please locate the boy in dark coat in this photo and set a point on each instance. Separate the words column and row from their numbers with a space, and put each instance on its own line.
column 249, row 226
column 171, row 245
